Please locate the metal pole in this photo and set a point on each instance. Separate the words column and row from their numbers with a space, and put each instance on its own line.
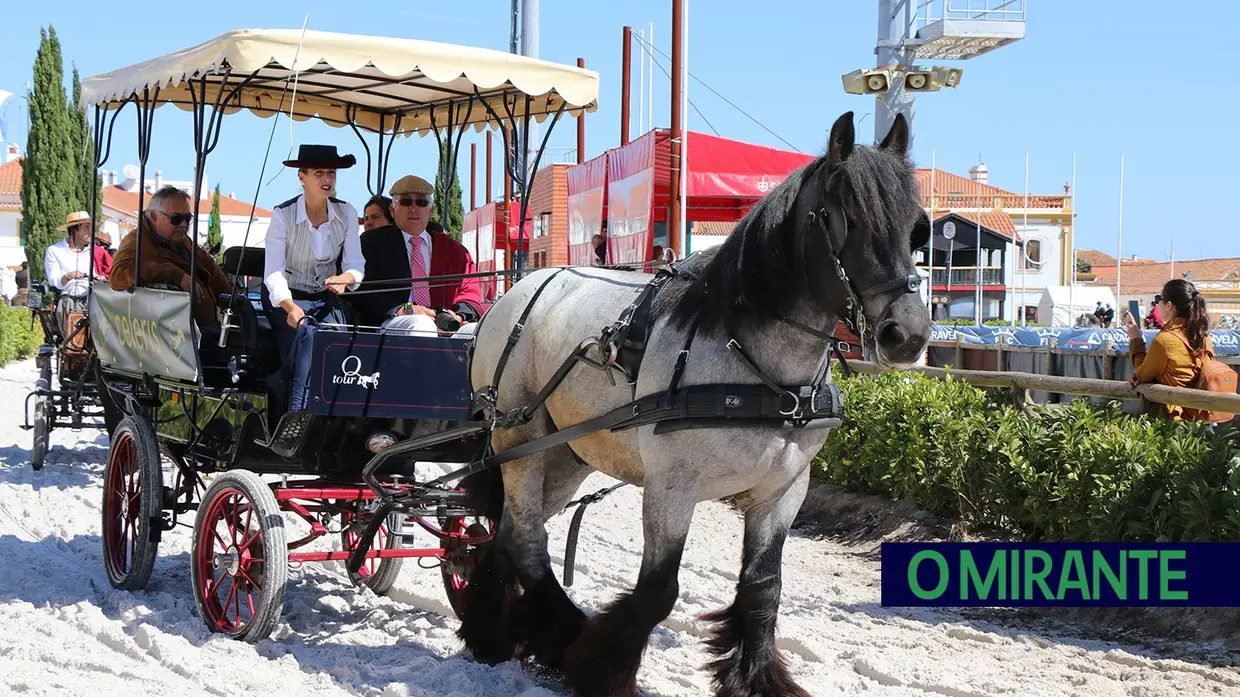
column 1023, row 271
column 641, row 83
column 581, row 125
column 1072, row 285
column 1119, row 249
column 977, row 269
column 930, row 265
column 682, row 234
column 490, row 193
column 895, row 17
column 473, row 176
column 650, row 84
column 626, row 76
column 529, row 48
column 673, row 222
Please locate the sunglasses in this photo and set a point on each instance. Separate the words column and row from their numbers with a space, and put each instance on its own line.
column 421, row 201
column 179, row 218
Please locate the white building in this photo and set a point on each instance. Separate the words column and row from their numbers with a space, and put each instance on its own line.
column 120, row 204
column 1008, row 279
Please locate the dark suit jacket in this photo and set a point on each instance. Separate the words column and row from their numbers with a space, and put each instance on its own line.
column 387, row 259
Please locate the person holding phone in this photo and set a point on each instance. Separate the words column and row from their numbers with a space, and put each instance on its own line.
column 1171, row 358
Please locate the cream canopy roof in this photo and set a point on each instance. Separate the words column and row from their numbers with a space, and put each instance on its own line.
column 338, row 76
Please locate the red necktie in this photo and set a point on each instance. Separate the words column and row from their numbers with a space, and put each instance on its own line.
column 420, row 292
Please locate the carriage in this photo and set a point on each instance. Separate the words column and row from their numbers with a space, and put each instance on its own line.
column 710, row 379
column 66, row 393
column 204, row 434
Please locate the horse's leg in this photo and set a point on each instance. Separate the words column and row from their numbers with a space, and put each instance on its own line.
column 545, row 618
column 749, row 664
column 604, row 660
column 492, row 588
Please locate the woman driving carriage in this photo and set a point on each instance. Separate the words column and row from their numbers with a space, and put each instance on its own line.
column 310, row 239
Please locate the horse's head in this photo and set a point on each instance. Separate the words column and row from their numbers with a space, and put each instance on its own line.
column 865, row 208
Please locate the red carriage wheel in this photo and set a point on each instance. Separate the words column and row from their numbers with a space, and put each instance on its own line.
column 379, row 575
column 132, row 501
column 460, row 556
column 240, row 557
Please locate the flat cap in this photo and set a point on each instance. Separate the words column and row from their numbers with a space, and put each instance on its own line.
column 411, row 184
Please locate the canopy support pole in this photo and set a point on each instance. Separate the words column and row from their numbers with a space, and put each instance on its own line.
column 102, row 150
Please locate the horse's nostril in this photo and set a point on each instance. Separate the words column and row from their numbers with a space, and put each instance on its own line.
column 891, row 334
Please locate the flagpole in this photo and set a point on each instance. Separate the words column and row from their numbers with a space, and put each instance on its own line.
column 930, row 265
column 1119, row 249
column 1024, row 259
column 1072, row 273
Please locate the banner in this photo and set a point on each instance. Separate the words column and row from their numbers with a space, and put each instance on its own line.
column 586, row 186
column 1226, row 341
column 1059, row 574
column 146, row 331
column 630, row 195
column 485, row 261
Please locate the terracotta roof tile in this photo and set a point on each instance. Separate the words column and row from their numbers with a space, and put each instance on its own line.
column 1094, row 257
column 1148, row 278
column 955, row 191
column 118, row 199
column 11, row 177
column 721, row 229
column 1000, row 223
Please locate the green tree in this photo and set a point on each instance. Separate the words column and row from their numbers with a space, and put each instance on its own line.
column 49, row 175
column 215, row 236
column 1083, row 266
column 84, row 154
column 452, row 203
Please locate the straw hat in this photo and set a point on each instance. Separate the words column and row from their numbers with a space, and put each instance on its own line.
column 74, row 218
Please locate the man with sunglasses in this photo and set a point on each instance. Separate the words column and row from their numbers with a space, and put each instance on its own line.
column 166, row 248
column 395, row 254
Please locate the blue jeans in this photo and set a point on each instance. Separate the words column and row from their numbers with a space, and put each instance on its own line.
column 294, row 344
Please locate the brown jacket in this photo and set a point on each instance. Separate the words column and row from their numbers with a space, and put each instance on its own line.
column 162, row 263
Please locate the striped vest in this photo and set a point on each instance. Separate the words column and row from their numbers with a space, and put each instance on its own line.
column 302, row 269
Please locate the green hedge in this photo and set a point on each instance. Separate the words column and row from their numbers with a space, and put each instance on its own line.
column 1080, row 472
column 17, row 340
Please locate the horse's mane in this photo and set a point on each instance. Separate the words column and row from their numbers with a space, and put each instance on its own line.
column 764, row 267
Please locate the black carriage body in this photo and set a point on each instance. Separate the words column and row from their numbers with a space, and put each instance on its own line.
column 399, row 376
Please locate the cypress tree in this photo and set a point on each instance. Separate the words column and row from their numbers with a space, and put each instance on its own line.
column 455, row 209
column 84, row 153
column 215, row 236
column 49, row 175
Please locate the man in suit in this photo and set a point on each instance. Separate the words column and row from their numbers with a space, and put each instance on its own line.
column 407, row 250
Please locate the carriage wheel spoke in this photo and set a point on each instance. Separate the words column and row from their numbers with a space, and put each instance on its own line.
column 228, row 599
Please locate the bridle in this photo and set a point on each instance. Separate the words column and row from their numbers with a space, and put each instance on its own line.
column 831, row 219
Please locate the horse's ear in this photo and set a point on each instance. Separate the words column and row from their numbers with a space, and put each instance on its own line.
column 897, row 137
column 842, row 139
column 920, row 236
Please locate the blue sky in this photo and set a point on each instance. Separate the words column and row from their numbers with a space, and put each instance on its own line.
column 1092, row 78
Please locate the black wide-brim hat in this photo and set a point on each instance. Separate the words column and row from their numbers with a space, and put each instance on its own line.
column 320, row 157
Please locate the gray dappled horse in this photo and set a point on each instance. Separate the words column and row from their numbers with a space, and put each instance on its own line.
column 775, row 286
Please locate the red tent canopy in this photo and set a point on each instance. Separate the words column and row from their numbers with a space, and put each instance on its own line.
column 725, row 177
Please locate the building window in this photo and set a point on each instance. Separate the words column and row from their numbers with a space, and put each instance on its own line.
column 542, row 224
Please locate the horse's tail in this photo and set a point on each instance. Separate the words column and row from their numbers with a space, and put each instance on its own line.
column 484, row 492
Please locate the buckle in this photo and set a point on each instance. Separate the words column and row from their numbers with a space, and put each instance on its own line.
column 795, row 412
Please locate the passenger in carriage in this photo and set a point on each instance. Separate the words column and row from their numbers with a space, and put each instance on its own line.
column 409, row 250
column 311, row 237
column 163, row 232
column 377, row 212
column 66, row 266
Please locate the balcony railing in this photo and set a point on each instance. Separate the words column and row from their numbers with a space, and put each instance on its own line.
column 967, row 276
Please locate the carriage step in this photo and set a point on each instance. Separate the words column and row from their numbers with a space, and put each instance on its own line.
column 290, row 433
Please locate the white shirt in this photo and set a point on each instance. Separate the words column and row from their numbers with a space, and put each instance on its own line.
column 273, row 265
column 426, row 249
column 59, row 260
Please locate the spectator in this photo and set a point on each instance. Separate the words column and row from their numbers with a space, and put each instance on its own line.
column 1172, row 358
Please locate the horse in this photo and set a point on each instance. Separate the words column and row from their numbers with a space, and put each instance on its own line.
column 833, row 240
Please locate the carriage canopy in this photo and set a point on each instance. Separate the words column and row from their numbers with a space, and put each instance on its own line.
column 380, row 84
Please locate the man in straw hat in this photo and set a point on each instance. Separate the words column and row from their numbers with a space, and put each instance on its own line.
column 313, row 255
column 409, row 250
column 67, row 264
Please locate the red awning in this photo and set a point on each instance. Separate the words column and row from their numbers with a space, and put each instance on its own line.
column 725, row 177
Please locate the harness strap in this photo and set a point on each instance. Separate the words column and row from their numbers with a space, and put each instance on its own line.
column 516, row 331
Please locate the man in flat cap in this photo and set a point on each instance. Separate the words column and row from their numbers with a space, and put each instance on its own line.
column 408, row 250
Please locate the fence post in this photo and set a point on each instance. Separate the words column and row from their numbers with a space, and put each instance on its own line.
column 1052, row 342
column 1000, row 364
column 1108, row 351
column 958, row 360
